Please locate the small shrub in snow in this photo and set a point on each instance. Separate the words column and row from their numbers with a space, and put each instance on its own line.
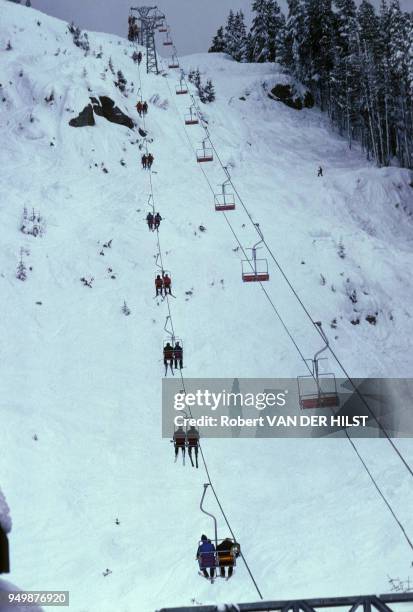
column 121, row 81
column 125, row 309
column 21, row 272
column 80, row 39
column 50, row 98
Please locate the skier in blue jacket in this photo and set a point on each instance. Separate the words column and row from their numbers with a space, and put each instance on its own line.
column 206, row 557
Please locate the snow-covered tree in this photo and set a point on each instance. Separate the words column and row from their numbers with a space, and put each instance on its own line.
column 236, row 40
column 218, row 42
column 207, row 92
column 266, row 31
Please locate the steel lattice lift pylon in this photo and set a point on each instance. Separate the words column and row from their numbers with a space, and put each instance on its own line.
column 150, row 18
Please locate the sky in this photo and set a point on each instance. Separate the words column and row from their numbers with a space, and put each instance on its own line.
column 193, row 22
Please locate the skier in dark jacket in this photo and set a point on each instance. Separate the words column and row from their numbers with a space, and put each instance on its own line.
column 150, row 159
column 192, row 440
column 139, row 58
column 168, row 355
column 178, row 355
column 159, row 285
column 157, row 221
column 206, row 557
column 144, row 161
column 139, row 107
column 320, row 171
column 179, row 443
column 150, row 221
column 144, row 108
column 227, row 552
column 167, row 281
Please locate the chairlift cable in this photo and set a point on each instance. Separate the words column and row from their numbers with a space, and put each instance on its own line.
column 294, row 291
column 377, row 487
column 183, row 385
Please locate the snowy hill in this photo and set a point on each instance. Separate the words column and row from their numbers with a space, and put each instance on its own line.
column 81, row 382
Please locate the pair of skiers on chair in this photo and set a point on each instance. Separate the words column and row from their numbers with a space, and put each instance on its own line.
column 163, row 284
column 221, row 556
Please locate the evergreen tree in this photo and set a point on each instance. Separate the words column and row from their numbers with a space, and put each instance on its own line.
column 291, row 55
column 218, row 42
column 236, row 36
column 208, row 93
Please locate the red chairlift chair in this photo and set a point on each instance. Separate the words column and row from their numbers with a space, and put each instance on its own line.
column 224, row 201
column 318, row 390
column 255, row 270
column 205, row 154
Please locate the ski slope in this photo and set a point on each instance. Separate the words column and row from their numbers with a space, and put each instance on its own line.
column 85, row 380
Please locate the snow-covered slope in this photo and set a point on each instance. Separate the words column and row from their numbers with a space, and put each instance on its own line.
column 81, row 382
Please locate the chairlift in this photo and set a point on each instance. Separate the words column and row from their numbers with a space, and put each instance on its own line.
column 205, row 154
column 173, row 62
column 318, row 390
column 191, row 118
column 224, row 201
column 181, row 89
column 255, row 270
column 226, row 550
column 163, row 28
column 168, row 41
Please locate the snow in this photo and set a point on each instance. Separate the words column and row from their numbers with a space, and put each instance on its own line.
column 5, row 518
column 81, row 383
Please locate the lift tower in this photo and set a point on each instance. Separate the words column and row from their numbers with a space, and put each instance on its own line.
column 150, row 18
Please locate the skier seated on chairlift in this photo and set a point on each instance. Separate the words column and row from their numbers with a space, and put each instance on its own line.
column 144, row 161
column 178, row 355
column 227, row 552
column 150, row 221
column 206, row 557
column 159, row 285
column 150, row 159
column 157, row 220
column 167, row 281
column 192, row 440
column 179, row 442
column 144, row 108
column 139, row 58
column 139, row 108
column 168, row 357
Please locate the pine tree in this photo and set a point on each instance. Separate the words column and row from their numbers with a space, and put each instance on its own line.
column 291, row 54
column 318, row 48
column 236, row 36
column 218, row 42
column 208, row 93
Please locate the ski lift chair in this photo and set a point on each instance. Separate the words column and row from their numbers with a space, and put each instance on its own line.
column 181, row 89
column 168, row 41
column 205, row 154
column 224, row 201
column 255, row 270
column 219, row 558
column 191, row 118
column 173, row 62
column 318, row 390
